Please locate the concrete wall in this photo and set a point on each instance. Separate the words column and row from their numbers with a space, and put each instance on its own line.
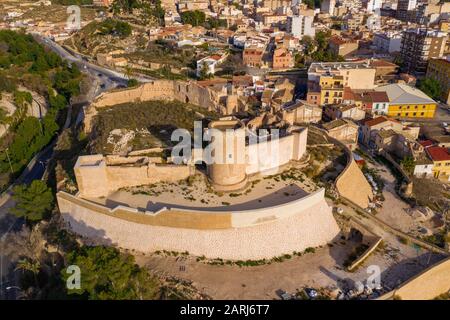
column 249, row 234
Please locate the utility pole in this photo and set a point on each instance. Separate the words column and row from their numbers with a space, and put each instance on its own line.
column 9, row 160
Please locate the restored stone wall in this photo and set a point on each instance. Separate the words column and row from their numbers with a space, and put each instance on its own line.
column 352, row 185
column 187, row 92
column 96, row 178
column 274, row 231
column 425, row 286
column 276, row 153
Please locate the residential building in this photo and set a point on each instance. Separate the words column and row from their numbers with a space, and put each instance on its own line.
column 441, row 162
column 209, row 63
column 372, row 5
column 253, row 57
column 439, row 69
column 350, row 111
column 370, row 128
column 342, row 47
column 274, row 19
column 376, row 102
column 408, row 102
column 301, row 112
column 273, row 5
column 343, row 130
column 420, row 45
column 331, row 89
column 300, row 26
column 423, row 168
column 282, row 59
column 388, row 42
column 327, row 6
column 356, row 75
column 404, row 8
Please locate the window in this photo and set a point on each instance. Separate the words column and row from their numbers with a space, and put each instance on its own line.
column 398, row 114
column 407, row 107
column 415, row 114
column 422, row 113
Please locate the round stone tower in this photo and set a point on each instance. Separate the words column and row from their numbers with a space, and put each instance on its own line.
column 227, row 170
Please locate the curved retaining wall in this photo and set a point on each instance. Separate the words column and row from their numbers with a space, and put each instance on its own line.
column 250, row 234
column 351, row 182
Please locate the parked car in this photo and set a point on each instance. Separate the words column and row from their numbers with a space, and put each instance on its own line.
column 312, row 294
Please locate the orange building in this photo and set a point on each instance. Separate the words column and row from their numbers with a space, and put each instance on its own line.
column 282, row 59
column 252, row 57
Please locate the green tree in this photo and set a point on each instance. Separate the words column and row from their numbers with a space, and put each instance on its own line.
column 204, row 72
column 431, row 87
column 33, row 202
column 29, row 265
column 108, row 274
column 3, row 116
column 408, row 164
column 194, row 18
column 132, row 83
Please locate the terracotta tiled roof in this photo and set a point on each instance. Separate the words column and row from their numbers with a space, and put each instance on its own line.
column 375, row 121
column 438, row 153
column 426, row 143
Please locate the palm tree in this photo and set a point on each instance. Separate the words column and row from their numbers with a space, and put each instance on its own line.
column 33, row 266
column 129, row 72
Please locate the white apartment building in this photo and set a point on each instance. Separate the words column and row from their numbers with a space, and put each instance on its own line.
column 327, row 6
column 372, row 5
column 300, row 26
column 389, row 41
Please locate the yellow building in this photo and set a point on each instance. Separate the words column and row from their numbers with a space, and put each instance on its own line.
column 441, row 162
column 408, row 102
column 331, row 89
column 439, row 69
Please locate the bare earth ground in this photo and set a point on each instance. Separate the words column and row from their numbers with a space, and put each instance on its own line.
column 322, row 269
column 394, row 209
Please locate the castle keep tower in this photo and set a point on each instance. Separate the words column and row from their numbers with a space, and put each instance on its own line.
column 226, row 167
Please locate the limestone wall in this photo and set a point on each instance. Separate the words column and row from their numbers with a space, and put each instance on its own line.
column 352, row 184
column 96, row 178
column 275, row 153
column 425, row 286
column 274, row 231
column 188, row 92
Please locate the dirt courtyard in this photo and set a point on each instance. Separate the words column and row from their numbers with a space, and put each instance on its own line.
column 322, row 269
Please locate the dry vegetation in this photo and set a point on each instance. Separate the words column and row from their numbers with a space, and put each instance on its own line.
column 158, row 118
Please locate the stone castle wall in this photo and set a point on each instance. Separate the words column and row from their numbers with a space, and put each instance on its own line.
column 352, row 185
column 249, row 234
column 95, row 178
column 425, row 286
column 291, row 147
column 187, row 92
